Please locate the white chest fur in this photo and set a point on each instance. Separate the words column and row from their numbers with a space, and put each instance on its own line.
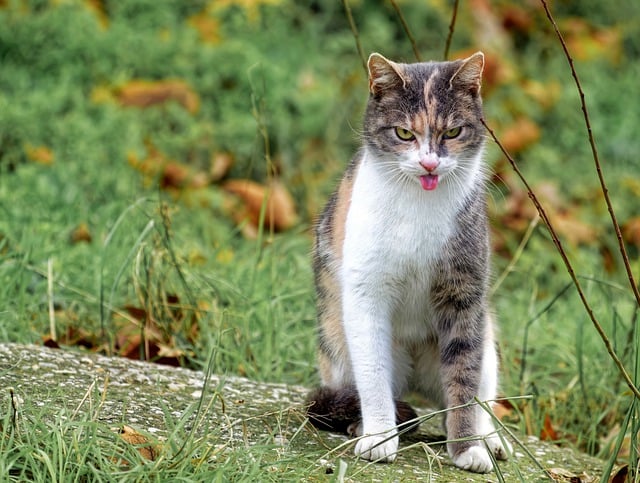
column 395, row 229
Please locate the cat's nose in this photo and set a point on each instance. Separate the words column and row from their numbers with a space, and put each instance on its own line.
column 430, row 162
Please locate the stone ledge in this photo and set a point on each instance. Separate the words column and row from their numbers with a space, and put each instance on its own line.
column 237, row 414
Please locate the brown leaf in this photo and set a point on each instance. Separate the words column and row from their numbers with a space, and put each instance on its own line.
column 518, row 211
column 631, row 231
column 566, row 476
column 569, row 227
column 40, row 154
column 143, row 93
column 545, row 94
column 175, row 175
column 141, row 442
column 81, row 233
column 520, row 135
column 502, row 409
column 98, row 8
column 50, row 342
column 221, row 163
column 621, row 475
column 548, row 432
column 207, row 26
column 587, row 42
column 280, row 212
column 517, row 18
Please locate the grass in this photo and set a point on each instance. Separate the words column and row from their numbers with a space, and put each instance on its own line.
column 265, row 93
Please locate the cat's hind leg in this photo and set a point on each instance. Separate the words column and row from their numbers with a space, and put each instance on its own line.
column 496, row 443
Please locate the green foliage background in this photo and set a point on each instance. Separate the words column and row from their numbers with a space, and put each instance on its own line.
column 290, row 69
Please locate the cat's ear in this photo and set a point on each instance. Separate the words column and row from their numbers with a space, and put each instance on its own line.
column 384, row 74
column 469, row 74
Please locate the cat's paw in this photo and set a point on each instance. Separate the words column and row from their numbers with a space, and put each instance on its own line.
column 475, row 458
column 378, row 447
column 500, row 447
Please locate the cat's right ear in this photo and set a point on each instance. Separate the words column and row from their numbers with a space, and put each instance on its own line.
column 384, row 74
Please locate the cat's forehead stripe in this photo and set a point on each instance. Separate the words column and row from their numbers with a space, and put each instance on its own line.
column 431, row 103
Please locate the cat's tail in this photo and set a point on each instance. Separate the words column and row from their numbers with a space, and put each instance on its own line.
column 338, row 410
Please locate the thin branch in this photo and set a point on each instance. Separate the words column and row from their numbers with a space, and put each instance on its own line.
column 405, row 26
column 452, row 25
column 567, row 263
column 356, row 35
column 596, row 157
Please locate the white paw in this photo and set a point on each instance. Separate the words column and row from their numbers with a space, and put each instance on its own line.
column 501, row 448
column 378, row 447
column 475, row 459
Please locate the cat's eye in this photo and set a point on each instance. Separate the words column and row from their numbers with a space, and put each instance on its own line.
column 452, row 133
column 404, row 134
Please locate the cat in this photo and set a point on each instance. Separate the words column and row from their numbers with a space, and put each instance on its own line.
column 401, row 264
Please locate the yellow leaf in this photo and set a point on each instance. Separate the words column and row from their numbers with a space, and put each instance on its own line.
column 40, row 154
column 143, row 93
column 207, row 26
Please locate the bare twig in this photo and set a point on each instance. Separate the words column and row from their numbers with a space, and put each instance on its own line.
column 596, row 157
column 407, row 31
column 568, row 266
column 452, row 25
column 52, row 312
column 356, row 35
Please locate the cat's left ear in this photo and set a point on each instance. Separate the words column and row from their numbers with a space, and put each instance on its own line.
column 469, row 74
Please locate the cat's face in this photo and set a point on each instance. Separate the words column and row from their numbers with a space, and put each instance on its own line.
column 423, row 120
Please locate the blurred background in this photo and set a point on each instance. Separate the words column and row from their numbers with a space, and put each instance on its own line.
column 162, row 162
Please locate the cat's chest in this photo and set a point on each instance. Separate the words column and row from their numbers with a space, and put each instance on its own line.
column 392, row 226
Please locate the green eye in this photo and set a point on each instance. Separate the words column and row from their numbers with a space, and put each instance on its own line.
column 452, row 133
column 404, row 134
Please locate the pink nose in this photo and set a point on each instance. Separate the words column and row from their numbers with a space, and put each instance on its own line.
column 430, row 162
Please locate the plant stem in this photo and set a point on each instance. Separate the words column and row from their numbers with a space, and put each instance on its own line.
column 405, row 26
column 356, row 35
column 567, row 263
column 452, row 25
column 596, row 157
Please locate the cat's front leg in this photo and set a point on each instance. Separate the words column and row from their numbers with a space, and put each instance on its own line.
column 368, row 334
column 469, row 370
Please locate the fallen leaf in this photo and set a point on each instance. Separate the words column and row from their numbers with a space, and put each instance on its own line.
column 50, row 342
column 631, row 231
column 518, row 211
column 81, row 233
column 221, row 163
column 546, row 94
column 587, row 42
column 520, row 135
column 207, row 26
column 548, row 432
column 143, row 93
column 172, row 174
column 569, row 227
column 502, row 409
column 279, row 208
column 518, row 19
column 141, row 442
column 40, row 154
column 560, row 474
column 98, row 8
column 621, row 475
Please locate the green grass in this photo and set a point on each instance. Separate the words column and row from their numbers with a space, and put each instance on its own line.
column 290, row 71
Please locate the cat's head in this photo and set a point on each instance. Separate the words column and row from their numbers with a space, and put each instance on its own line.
column 423, row 120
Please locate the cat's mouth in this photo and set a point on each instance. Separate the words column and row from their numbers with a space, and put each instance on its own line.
column 429, row 182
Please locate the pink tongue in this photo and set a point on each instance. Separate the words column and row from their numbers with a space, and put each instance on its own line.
column 429, row 181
